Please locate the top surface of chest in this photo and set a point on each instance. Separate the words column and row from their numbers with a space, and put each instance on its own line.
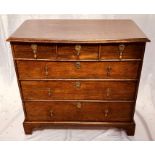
column 78, row 31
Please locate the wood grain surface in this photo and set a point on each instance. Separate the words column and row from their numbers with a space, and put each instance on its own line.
column 78, row 31
column 78, row 90
column 77, row 70
column 79, row 111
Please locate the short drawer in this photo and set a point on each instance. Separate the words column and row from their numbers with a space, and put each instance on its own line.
column 78, row 90
column 122, row 51
column 34, row 51
column 79, row 111
column 77, row 52
column 75, row 70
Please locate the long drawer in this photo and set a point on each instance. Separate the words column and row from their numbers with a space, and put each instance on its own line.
column 75, row 70
column 78, row 90
column 79, row 111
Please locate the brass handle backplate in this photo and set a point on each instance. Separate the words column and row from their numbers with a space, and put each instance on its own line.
column 78, row 48
column 121, row 49
column 34, row 49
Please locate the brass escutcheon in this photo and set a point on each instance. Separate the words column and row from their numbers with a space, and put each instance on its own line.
column 78, row 105
column 77, row 84
column 78, row 65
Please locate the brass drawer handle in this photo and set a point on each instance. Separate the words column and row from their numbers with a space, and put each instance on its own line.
column 46, row 70
column 51, row 113
column 108, row 69
column 106, row 112
column 78, row 65
column 77, row 84
column 78, row 48
column 108, row 92
column 78, row 105
column 121, row 49
column 34, row 48
column 49, row 92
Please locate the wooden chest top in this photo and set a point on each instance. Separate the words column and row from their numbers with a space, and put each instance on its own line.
column 78, row 31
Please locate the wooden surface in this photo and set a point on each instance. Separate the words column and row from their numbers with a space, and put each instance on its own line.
column 87, row 51
column 78, row 31
column 78, row 70
column 79, row 111
column 95, row 86
column 88, row 90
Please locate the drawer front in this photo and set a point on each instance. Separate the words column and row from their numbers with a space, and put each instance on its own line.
column 78, row 90
column 75, row 52
column 75, row 70
column 79, row 111
column 122, row 51
column 78, row 52
column 34, row 51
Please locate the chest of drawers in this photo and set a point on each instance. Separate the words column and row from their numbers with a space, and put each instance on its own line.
column 78, row 73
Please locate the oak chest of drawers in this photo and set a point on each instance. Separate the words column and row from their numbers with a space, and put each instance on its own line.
column 78, row 73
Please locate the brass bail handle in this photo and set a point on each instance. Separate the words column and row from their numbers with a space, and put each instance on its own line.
column 108, row 70
column 106, row 112
column 34, row 49
column 121, row 49
column 51, row 113
column 49, row 92
column 78, row 49
column 46, row 70
column 108, row 92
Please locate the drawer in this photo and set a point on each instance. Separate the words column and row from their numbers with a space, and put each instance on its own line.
column 77, row 51
column 122, row 51
column 79, row 111
column 75, row 70
column 78, row 90
column 34, row 51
